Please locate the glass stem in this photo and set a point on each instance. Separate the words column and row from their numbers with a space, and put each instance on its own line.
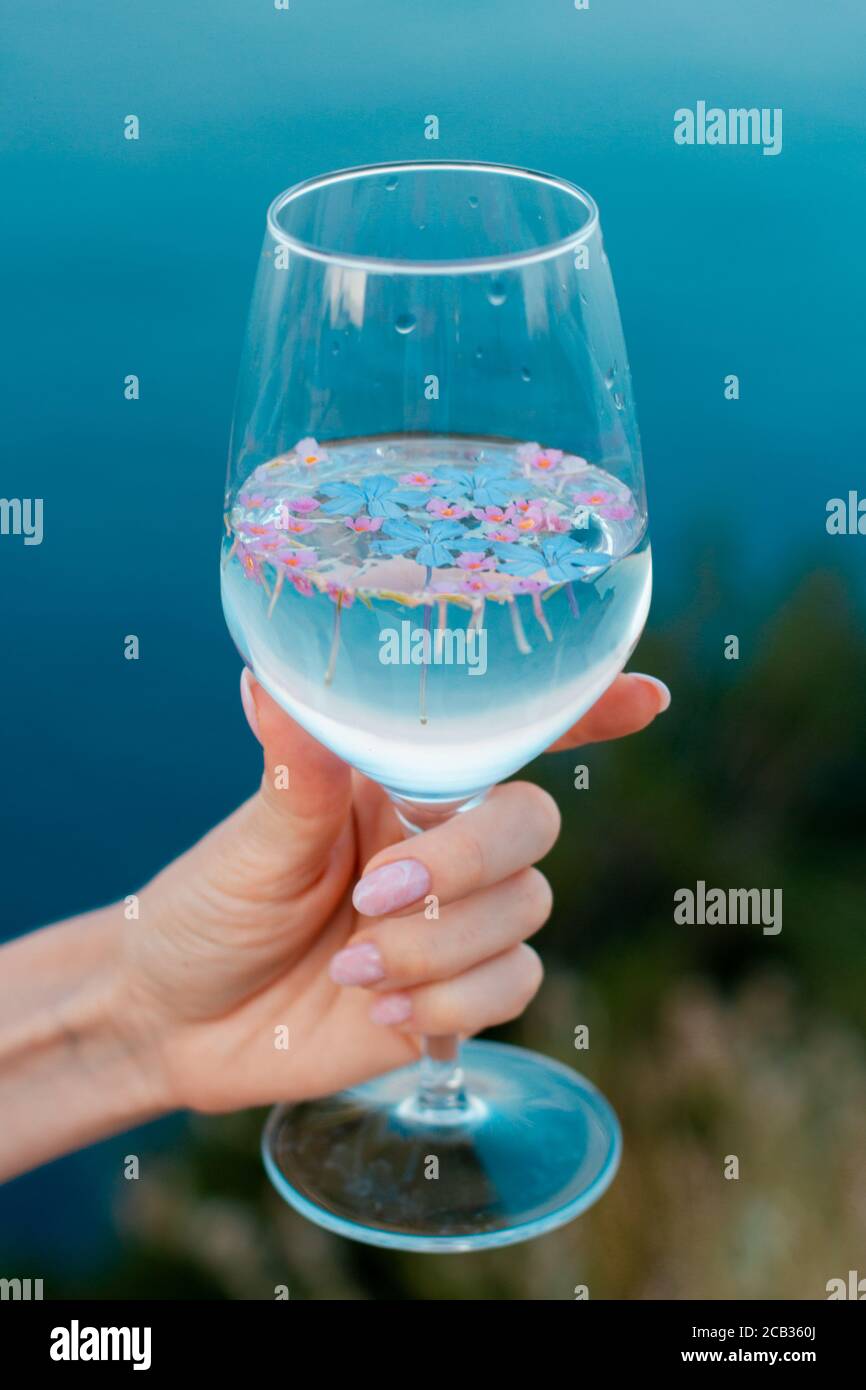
column 441, row 1075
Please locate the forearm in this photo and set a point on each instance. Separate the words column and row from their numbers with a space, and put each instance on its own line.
column 71, row 1070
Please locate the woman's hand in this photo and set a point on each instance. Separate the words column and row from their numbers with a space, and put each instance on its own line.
column 303, row 945
column 300, row 947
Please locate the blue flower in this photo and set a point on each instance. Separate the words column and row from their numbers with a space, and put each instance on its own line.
column 559, row 555
column 487, row 486
column 433, row 545
column 376, row 493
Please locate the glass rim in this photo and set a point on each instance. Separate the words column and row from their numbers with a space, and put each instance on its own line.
column 459, row 266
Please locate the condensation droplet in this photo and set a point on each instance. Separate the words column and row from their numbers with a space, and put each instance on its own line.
column 473, row 201
column 478, row 354
column 405, row 323
column 525, row 373
column 617, row 400
column 390, row 184
column 496, row 293
column 610, row 377
column 583, row 298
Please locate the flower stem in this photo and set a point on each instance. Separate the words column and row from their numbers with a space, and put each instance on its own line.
column 519, row 635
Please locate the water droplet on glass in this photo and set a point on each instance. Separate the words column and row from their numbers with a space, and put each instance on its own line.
column 335, row 350
column 496, row 293
column 478, row 354
column 610, row 378
column 524, row 372
column 617, row 400
column 473, row 201
column 390, row 184
column 405, row 323
column 583, row 299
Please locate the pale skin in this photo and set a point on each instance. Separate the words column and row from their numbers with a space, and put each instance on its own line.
column 251, row 937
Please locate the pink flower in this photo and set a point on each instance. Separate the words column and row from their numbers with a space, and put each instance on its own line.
column 530, row 520
column 336, row 592
column 252, row 500
column 605, row 503
column 503, row 533
column 498, row 514
column 472, row 560
column 552, row 522
column 301, row 583
column 250, row 563
column 599, row 498
column 295, row 561
column 478, row 583
column 532, row 456
column 255, row 529
column 417, row 479
column 309, row 451
column 529, row 586
column 363, row 523
column 301, row 504
column 295, row 525
column 447, row 510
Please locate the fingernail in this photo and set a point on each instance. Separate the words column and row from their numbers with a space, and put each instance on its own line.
column 659, row 686
column 391, row 1008
column 249, row 703
column 357, row 965
column 394, row 885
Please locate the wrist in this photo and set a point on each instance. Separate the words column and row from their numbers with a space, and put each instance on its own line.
column 74, row 1065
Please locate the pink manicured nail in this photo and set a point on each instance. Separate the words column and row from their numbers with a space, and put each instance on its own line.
column 249, row 703
column 357, row 965
column 391, row 1008
column 659, row 686
column 394, row 885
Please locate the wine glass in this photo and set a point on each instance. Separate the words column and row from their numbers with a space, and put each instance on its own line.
column 436, row 560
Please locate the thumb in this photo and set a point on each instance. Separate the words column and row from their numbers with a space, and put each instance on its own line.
column 305, row 796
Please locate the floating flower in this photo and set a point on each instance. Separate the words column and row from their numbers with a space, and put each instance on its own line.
column 310, row 452
column 449, row 511
column 487, row 486
column 503, row 534
column 535, row 459
column 295, row 561
column 551, row 521
column 529, row 586
column 496, row 514
column 249, row 562
column 301, row 504
column 474, row 560
column 252, row 500
column 294, row 525
column 559, row 555
column 300, row 582
column 433, row 547
column 478, row 583
column 339, row 594
column 606, row 504
column 363, row 523
column 378, row 493
column 418, row 480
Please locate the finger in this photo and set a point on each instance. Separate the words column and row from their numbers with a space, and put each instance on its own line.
column 490, row 993
column 305, row 793
column 631, row 703
column 410, row 951
column 516, row 825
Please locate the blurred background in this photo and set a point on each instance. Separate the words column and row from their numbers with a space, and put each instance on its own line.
column 137, row 257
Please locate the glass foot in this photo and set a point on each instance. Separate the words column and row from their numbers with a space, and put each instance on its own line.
column 535, row 1145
